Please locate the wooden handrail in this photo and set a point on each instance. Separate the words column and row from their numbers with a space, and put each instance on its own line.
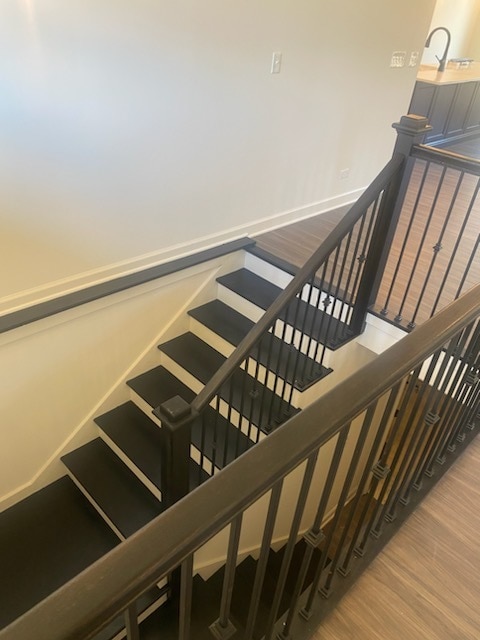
column 85, row 604
column 301, row 278
column 443, row 156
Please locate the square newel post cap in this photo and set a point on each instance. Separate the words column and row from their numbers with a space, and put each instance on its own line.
column 410, row 130
column 174, row 409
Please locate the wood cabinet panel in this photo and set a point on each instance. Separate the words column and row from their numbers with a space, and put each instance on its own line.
column 453, row 110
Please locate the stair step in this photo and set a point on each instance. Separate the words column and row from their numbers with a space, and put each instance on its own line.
column 229, row 324
column 157, row 386
column 119, row 494
column 137, row 436
column 247, row 396
column 283, row 359
column 324, row 328
column 46, row 540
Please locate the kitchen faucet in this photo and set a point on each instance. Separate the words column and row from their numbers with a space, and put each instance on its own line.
column 443, row 59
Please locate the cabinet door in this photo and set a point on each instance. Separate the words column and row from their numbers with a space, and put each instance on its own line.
column 472, row 121
column 457, row 118
column 422, row 99
column 441, row 110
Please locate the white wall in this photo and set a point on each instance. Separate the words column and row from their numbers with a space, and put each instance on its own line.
column 473, row 49
column 59, row 373
column 461, row 18
column 134, row 131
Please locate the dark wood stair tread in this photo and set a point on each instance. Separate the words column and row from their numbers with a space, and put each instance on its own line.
column 45, row 540
column 231, row 325
column 158, row 385
column 113, row 486
column 137, row 436
column 319, row 325
column 202, row 361
column 283, row 359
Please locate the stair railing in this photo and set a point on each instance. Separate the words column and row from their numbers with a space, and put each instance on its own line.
column 324, row 306
column 438, row 231
column 410, row 412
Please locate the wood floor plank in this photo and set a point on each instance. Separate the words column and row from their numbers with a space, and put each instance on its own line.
column 425, row 585
column 295, row 243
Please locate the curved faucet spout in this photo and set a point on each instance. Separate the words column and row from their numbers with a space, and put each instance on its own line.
column 443, row 59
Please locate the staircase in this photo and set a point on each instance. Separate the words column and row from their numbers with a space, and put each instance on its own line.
column 114, row 482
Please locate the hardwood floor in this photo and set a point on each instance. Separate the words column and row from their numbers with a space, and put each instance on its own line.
column 425, row 585
column 412, row 252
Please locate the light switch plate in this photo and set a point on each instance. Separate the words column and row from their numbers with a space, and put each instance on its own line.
column 276, row 62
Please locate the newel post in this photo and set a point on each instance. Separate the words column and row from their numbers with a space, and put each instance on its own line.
column 176, row 417
column 411, row 130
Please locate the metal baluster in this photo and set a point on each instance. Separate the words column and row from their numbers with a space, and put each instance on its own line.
column 375, row 527
column 202, row 423
column 271, row 338
column 405, row 241
column 452, row 379
column 414, row 429
column 456, row 246
column 329, row 339
column 420, row 448
column 369, row 469
column 223, row 628
column 215, row 431
column 315, row 535
column 470, row 385
column 312, row 361
column 339, row 294
column 263, row 559
column 348, row 296
column 229, row 421
column 253, row 391
column 309, row 309
column 131, row 622
column 326, row 587
column 271, row 404
column 436, row 249
column 296, row 329
column 306, row 612
column 326, row 317
column 456, row 394
column 364, row 251
column 379, row 472
column 185, row 605
column 292, row 540
column 243, row 396
column 293, row 323
column 445, row 366
column 458, row 435
column 411, row 325
column 467, row 268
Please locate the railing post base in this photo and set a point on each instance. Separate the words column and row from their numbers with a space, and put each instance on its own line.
column 222, row 633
